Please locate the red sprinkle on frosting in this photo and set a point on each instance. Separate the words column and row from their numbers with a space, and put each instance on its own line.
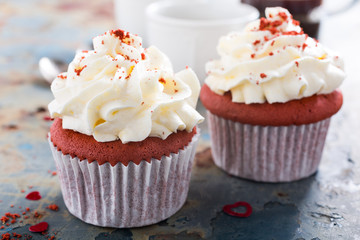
column 283, row 15
column 256, row 42
column 163, row 81
column 304, row 46
column 78, row 71
column 263, row 75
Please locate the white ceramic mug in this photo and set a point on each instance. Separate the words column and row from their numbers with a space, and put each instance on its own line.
column 188, row 31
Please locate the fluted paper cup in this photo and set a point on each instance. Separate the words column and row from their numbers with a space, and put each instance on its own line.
column 125, row 196
column 267, row 153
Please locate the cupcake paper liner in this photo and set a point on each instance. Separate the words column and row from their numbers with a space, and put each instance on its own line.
column 267, row 153
column 125, row 196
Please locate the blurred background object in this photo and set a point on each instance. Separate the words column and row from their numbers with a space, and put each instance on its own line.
column 188, row 31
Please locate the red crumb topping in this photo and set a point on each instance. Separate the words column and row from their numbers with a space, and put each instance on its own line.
column 296, row 23
column 163, row 81
column 253, row 55
column 120, row 34
column 62, row 76
column 256, row 42
column 271, row 53
column 263, row 75
column 283, row 16
column 5, row 236
column 297, row 63
column 304, row 46
column 102, row 42
column 53, row 207
column 143, row 56
column 78, row 71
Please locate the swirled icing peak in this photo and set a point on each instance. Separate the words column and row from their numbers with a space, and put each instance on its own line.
column 273, row 60
column 122, row 91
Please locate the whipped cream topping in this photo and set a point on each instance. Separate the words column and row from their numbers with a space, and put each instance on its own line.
column 273, row 60
column 122, row 91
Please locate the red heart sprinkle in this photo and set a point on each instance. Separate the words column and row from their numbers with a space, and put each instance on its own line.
column 33, row 196
column 228, row 209
column 40, row 227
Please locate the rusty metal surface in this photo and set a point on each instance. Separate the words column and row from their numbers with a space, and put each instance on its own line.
column 323, row 206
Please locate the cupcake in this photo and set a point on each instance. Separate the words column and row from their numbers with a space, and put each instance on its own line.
column 124, row 134
column 269, row 99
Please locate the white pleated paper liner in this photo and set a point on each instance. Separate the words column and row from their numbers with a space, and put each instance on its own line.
column 125, row 196
column 267, row 153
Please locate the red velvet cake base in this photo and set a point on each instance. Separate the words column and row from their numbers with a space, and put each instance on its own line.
column 86, row 147
column 296, row 112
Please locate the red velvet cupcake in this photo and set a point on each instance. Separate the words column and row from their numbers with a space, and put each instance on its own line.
column 270, row 98
column 125, row 133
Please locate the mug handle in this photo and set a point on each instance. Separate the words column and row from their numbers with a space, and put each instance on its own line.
column 345, row 8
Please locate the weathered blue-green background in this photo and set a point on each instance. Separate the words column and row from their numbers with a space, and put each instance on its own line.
column 323, row 206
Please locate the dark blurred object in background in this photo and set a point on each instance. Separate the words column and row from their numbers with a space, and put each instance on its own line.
column 305, row 11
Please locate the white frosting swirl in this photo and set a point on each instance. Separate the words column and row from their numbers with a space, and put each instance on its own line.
column 123, row 91
column 272, row 60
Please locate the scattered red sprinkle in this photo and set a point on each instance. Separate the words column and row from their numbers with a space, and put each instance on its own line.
column 78, row 71
column 263, row 75
column 85, row 51
column 228, row 209
column 33, row 196
column 276, row 23
column 297, row 63
column 13, row 221
column 102, row 42
column 22, row 190
column 256, row 42
column 143, row 56
column 6, row 236
column 272, row 43
column 37, row 215
column 30, row 187
column 4, row 219
column 16, row 235
column 120, row 34
column 283, row 15
column 53, row 207
column 304, row 46
column 293, row 33
column 54, row 173
column 61, row 76
column 12, row 205
column 27, row 209
column 271, row 53
column 187, row 67
column 40, row 227
column 24, row 213
column 253, row 55
column 176, row 90
column 296, row 23
column 163, row 81
column 2, row 227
